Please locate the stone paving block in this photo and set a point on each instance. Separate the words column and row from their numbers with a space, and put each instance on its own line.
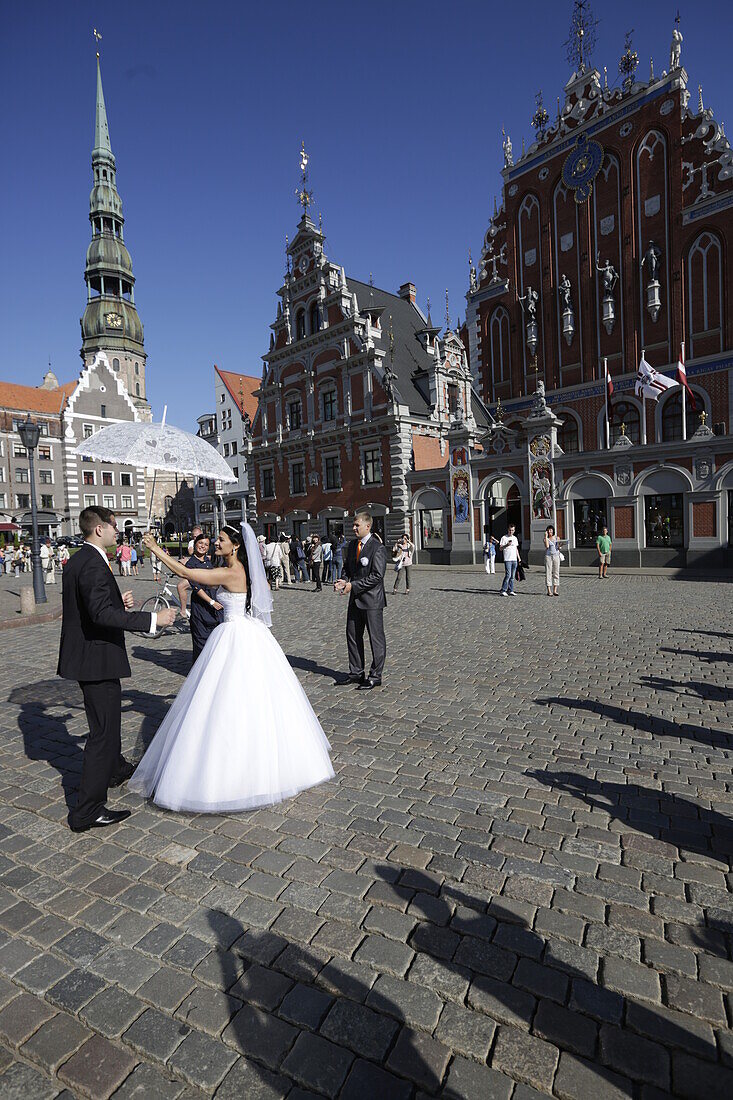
column 318, row 1064
column 186, row 953
column 305, row 1006
column 156, row 1035
column 125, row 966
column 525, row 1058
column 406, row 1001
column 203, row 1061
column 367, row 1080
column 23, row 1082
column 208, row 1009
column 419, row 1058
column 358, row 1028
column 577, row 1079
column 14, row 956
column 166, row 988
column 250, row 1080
column 700, row 1000
column 21, row 1017
column 261, row 986
column 692, row 1078
column 55, row 1042
column 568, row 1030
column 635, row 1057
column 42, row 973
column 471, row 1081
column 112, row 1011
column 447, row 979
column 675, row 1029
column 384, row 954
column 97, row 1069
column 148, row 1083
column 631, row 979
column 259, row 1035
column 469, row 1032
column 74, row 990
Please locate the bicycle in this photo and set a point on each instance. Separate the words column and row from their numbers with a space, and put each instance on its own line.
column 164, row 599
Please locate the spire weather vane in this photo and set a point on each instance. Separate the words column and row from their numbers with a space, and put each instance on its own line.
column 629, row 62
column 540, row 118
column 97, row 39
column 303, row 195
column 447, row 314
column 581, row 41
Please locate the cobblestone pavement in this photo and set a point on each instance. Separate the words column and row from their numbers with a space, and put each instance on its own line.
column 518, row 884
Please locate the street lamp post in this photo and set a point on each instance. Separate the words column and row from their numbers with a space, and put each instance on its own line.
column 30, row 433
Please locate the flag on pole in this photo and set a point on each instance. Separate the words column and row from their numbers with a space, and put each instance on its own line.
column 650, row 383
column 682, row 379
column 609, row 384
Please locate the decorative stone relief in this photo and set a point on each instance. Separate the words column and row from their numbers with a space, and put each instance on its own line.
column 607, row 225
column 513, row 190
column 530, row 257
column 652, row 205
column 623, row 475
column 543, row 173
column 566, row 242
column 667, row 107
column 626, row 129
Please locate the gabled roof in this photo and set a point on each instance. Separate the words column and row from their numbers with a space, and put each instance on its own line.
column 247, row 384
column 409, row 353
column 35, row 398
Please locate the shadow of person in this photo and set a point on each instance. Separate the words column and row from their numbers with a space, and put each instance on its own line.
column 312, row 666
column 172, row 660
column 709, row 658
column 668, row 818
column 641, row 720
column 711, row 692
column 706, row 633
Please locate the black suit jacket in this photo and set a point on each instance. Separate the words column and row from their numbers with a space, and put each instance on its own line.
column 367, row 581
column 94, row 620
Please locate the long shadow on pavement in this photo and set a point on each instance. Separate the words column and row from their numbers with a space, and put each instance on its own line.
column 711, row 692
column 640, row 720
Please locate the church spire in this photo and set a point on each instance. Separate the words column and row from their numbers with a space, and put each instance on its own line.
column 111, row 322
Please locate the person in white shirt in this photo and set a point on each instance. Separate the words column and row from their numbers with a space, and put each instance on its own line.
column 272, row 563
column 510, row 548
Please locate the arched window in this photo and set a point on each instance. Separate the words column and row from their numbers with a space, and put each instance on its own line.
column 115, row 364
column 314, row 322
column 705, row 295
column 137, row 389
column 137, row 368
column 672, row 418
column 300, row 324
column 501, row 363
column 626, row 414
column 567, row 434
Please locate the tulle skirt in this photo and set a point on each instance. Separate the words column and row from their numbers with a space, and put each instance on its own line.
column 241, row 732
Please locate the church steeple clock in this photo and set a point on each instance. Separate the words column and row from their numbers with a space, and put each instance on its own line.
column 111, row 322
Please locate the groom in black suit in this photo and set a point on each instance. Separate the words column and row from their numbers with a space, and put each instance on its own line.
column 365, row 565
column 92, row 651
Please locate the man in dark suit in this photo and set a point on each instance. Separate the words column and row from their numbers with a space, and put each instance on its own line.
column 365, row 565
column 92, row 651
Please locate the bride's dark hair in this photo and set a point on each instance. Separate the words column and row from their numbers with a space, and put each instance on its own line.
column 236, row 536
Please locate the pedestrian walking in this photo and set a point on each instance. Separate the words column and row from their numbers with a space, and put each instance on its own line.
column 510, row 549
column 285, row 558
column 133, row 560
column 47, row 562
column 402, row 554
column 64, row 556
column 157, row 569
column 489, row 548
column 272, row 563
column 327, row 561
column 18, row 561
column 338, row 556
column 552, row 561
column 301, row 567
column 603, row 545
column 316, row 559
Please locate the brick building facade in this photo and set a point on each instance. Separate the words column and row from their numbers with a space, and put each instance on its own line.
column 612, row 239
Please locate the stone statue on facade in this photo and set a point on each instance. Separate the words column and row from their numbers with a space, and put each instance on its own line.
column 675, row 52
column 531, row 297
column 609, row 278
column 507, row 147
column 564, row 292
column 651, row 259
column 246, row 425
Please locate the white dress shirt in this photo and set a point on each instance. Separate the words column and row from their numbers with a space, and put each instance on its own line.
column 103, row 553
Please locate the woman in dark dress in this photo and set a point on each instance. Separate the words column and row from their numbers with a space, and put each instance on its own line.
column 205, row 611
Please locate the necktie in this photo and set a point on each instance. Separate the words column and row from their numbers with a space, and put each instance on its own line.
column 358, row 551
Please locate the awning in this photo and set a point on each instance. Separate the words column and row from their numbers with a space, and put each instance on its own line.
column 44, row 518
column 6, row 527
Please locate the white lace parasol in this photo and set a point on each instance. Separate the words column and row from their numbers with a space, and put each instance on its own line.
column 159, row 446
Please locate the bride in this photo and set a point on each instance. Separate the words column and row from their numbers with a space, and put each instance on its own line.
column 241, row 732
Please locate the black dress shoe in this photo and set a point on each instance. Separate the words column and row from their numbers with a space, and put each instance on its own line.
column 369, row 683
column 123, row 774
column 352, row 678
column 107, row 817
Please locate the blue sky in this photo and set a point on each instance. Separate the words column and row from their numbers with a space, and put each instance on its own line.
column 400, row 105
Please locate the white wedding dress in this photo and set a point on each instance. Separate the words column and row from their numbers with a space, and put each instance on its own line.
column 241, row 732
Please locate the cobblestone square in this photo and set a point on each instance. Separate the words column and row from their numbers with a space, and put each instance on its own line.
column 519, row 882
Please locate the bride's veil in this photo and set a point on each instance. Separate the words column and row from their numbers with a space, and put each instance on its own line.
column 261, row 598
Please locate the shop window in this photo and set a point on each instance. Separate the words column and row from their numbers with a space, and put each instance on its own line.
column 591, row 516
column 431, row 528
column 663, row 519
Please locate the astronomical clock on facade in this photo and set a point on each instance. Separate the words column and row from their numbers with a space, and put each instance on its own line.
column 609, row 244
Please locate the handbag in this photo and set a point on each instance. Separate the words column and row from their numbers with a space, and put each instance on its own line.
column 520, row 574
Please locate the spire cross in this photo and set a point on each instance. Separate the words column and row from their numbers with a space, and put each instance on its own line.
column 97, row 39
column 304, row 196
column 677, row 19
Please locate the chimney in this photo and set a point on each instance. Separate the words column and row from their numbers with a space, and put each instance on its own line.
column 408, row 292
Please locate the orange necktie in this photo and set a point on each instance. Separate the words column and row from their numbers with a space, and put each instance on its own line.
column 358, row 551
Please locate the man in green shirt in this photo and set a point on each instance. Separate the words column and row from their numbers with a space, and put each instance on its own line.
column 603, row 545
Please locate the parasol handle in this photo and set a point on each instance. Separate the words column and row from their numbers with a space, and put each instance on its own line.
column 152, row 494
column 165, row 410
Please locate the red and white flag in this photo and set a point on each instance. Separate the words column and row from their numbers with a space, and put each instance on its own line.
column 609, row 384
column 650, row 383
column 682, row 379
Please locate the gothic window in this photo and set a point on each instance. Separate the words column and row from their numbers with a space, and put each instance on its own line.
column 137, row 368
column 672, row 418
column 623, row 412
column 137, row 389
column 300, row 324
column 499, row 346
column 315, row 318
column 567, row 435
column 115, row 364
column 329, row 405
column 704, row 295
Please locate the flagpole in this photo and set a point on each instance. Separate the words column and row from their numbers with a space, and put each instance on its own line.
column 684, row 399
column 643, row 407
column 605, row 390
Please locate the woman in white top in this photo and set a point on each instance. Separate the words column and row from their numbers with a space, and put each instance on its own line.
column 402, row 553
column 552, row 561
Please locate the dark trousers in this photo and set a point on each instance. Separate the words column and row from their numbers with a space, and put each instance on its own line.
column 200, row 634
column 103, row 751
column 356, row 620
column 316, row 572
column 406, row 570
